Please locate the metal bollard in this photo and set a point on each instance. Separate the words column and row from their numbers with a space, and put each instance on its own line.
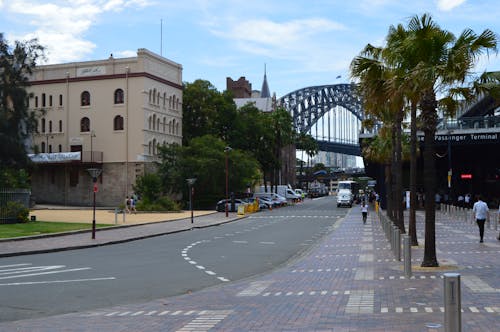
column 407, row 255
column 116, row 216
column 452, row 303
column 397, row 244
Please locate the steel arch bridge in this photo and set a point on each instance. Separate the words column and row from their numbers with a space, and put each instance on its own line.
column 309, row 105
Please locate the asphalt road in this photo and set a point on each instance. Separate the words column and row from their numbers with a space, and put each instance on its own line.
column 144, row 270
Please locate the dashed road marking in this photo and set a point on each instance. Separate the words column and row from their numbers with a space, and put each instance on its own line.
column 184, row 254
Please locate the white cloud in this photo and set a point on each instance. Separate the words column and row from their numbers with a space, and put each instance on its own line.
column 447, row 5
column 60, row 26
column 272, row 33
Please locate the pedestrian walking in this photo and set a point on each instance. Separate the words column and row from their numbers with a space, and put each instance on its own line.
column 132, row 205
column 364, row 211
column 467, row 201
column 481, row 212
column 127, row 204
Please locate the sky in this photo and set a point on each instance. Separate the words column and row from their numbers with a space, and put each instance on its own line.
column 300, row 42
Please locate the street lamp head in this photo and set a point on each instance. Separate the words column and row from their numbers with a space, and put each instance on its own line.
column 191, row 181
column 227, row 149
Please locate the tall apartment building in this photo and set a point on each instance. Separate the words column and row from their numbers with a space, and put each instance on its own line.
column 109, row 114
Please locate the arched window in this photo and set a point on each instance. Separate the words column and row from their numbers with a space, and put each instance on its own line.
column 149, row 95
column 154, row 96
column 43, row 147
column 177, row 129
column 154, row 122
column 149, row 149
column 85, row 98
column 60, row 100
column 164, row 124
column 164, row 98
column 173, row 102
column 158, row 124
column 118, row 96
column 149, row 123
column 50, row 100
column 118, row 123
column 60, row 126
column 154, row 146
column 158, row 99
column 43, row 125
column 43, row 99
column 50, row 126
column 60, row 148
column 85, row 124
column 36, row 101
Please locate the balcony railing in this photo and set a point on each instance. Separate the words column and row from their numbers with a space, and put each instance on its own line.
column 92, row 156
column 471, row 123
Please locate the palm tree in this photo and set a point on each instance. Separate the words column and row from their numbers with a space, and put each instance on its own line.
column 380, row 86
column 442, row 61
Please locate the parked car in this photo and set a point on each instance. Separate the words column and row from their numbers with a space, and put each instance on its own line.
column 269, row 203
column 221, row 205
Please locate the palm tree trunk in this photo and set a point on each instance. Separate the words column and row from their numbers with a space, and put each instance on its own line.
column 399, row 174
column 388, row 194
column 412, row 227
column 429, row 120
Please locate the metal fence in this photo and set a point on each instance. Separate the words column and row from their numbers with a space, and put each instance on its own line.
column 12, row 195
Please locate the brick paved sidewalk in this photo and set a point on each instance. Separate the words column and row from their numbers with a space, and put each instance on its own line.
column 349, row 282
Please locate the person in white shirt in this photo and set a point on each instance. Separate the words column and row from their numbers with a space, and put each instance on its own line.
column 364, row 211
column 481, row 212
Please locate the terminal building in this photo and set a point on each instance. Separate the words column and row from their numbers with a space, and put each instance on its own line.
column 467, row 155
column 107, row 114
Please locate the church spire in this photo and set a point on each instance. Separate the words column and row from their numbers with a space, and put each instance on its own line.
column 264, row 93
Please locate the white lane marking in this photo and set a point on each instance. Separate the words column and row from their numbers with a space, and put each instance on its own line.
column 360, row 302
column 184, row 254
column 55, row 281
column 43, row 273
column 31, row 269
column 206, row 321
column 241, row 242
column 14, row 265
column 267, row 242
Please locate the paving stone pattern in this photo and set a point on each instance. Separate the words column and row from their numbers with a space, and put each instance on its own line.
column 349, row 281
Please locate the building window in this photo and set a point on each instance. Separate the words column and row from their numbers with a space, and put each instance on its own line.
column 154, row 96
column 85, row 98
column 43, row 125
column 36, row 101
column 118, row 123
column 43, row 99
column 50, row 148
column 60, row 100
column 118, row 96
column 60, row 126
column 43, row 147
column 149, row 148
column 154, row 121
column 50, row 126
column 164, row 98
column 60, row 148
column 50, row 100
column 85, row 125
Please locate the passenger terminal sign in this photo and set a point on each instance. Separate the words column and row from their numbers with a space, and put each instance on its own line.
column 466, row 138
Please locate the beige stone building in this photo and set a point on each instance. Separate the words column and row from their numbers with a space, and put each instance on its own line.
column 109, row 114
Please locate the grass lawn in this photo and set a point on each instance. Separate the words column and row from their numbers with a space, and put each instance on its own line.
column 42, row 227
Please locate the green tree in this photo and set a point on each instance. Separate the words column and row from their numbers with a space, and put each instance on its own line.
column 443, row 62
column 204, row 159
column 17, row 123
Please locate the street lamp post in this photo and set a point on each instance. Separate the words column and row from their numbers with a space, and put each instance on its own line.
column 92, row 135
column 94, row 173
column 191, row 182
column 226, row 150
